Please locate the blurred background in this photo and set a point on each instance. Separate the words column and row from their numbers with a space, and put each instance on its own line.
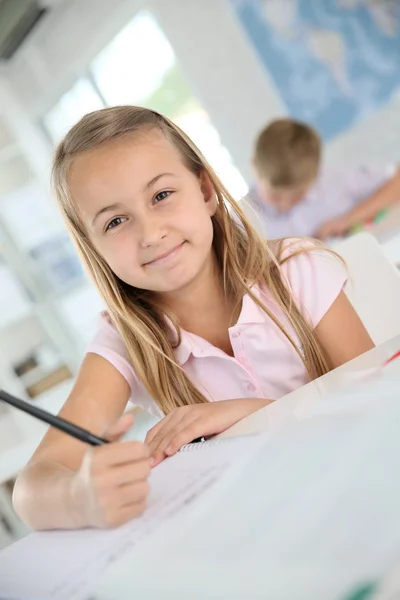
column 221, row 69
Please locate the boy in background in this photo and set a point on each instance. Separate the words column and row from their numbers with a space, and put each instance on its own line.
column 296, row 196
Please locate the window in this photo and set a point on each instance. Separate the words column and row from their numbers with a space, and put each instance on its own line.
column 38, row 231
column 133, row 66
column 79, row 100
column 139, row 67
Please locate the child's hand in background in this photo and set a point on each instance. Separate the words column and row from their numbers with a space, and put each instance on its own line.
column 333, row 228
column 183, row 425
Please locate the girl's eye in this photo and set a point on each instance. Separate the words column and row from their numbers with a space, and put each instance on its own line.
column 161, row 196
column 115, row 222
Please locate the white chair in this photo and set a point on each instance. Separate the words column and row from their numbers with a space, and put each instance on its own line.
column 374, row 285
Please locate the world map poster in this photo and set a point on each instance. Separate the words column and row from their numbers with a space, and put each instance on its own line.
column 332, row 61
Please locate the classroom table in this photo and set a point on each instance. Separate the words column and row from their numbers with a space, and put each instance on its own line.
column 351, row 374
column 387, row 232
column 389, row 224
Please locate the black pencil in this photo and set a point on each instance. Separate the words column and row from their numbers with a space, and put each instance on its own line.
column 58, row 422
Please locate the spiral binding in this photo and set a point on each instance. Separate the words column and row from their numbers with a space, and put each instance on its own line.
column 200, row 444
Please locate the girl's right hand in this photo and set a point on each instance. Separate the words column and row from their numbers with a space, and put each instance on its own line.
column 111, row 486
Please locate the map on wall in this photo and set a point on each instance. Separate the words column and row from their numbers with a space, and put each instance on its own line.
column 332, row 61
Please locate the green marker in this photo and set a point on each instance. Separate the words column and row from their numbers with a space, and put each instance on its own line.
column 357, row 227
column 363, row 592
column 381, row 215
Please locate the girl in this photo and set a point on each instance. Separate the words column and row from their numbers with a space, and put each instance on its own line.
column 206, row 323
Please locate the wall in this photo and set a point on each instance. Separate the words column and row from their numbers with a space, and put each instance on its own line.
column 376, row 139
column 212, row 52
column 215, row 56
column 17, row 340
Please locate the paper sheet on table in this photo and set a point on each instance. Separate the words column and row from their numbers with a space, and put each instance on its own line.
column 312, row 515
column 60, row 565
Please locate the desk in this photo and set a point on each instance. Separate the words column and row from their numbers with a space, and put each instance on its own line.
column 387, row 232
column 389, row 225
column 44, row 549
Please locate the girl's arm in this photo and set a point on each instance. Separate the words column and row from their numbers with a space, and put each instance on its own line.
column 341, row 333
column 68, row 485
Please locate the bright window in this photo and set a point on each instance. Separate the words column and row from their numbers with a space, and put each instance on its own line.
column 139, row 67
column 79, row 100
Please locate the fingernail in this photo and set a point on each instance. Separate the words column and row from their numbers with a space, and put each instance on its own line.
column 168, row 450
column 152, row 461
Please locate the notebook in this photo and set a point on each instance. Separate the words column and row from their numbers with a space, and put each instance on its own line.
column 62, row 565
column 314, row 515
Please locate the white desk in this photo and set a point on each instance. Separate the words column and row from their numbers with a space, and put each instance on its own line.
column 47, row 545
column 387, row 232
column 389, row 225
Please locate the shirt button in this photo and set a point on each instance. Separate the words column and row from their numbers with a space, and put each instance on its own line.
column 236, row 334
column 251, row 387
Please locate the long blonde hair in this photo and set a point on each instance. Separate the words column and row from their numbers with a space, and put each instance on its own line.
column 243, row 257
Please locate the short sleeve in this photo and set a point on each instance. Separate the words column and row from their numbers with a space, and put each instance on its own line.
column 315, row 276
column 108, row 343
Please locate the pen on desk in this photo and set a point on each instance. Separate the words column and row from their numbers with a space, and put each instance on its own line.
column 58, row 422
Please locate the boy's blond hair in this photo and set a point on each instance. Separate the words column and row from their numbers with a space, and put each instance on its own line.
column 287, row 153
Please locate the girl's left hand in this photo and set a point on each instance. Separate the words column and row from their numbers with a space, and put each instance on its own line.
column 183, row 425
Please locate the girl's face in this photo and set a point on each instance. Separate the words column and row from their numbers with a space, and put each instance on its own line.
column 148, row 216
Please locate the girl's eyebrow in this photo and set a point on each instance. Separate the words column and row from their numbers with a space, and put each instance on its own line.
column 118, row 205
column 155, row 179
column 105, row 209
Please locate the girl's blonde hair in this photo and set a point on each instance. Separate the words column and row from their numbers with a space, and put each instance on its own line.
column 244, row 259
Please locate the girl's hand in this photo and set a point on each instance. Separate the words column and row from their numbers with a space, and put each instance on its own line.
column 111, row 485
column 185, row 424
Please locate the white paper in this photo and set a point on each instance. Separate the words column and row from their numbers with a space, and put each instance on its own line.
column 314, row 515
column 61, row 565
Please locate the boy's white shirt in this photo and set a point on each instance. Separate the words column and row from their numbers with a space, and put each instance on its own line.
column 337, row 191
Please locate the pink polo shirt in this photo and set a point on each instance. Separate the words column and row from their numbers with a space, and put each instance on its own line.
column 264, row 365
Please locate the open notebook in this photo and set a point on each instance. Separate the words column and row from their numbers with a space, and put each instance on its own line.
column 313, row 515
column 63, row 565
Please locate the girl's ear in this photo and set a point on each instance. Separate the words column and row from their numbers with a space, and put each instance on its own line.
column 208, row 191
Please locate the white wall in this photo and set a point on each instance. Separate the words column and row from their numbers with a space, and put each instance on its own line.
column 376, row 139
column 211, row 50
column 20, row 338
column 223, row 69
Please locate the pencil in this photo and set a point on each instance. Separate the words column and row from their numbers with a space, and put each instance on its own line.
column 58, row 422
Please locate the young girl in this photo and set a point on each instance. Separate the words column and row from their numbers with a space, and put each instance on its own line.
column 206, row 323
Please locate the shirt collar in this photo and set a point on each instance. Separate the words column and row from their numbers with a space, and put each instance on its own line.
column 251, row 312
column 192, row 345
column 268, row 210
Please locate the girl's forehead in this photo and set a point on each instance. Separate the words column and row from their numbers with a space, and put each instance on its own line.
column 148, row 146
column 121, row 167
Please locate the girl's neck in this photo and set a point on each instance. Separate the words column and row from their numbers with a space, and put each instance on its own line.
column 202, row 307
